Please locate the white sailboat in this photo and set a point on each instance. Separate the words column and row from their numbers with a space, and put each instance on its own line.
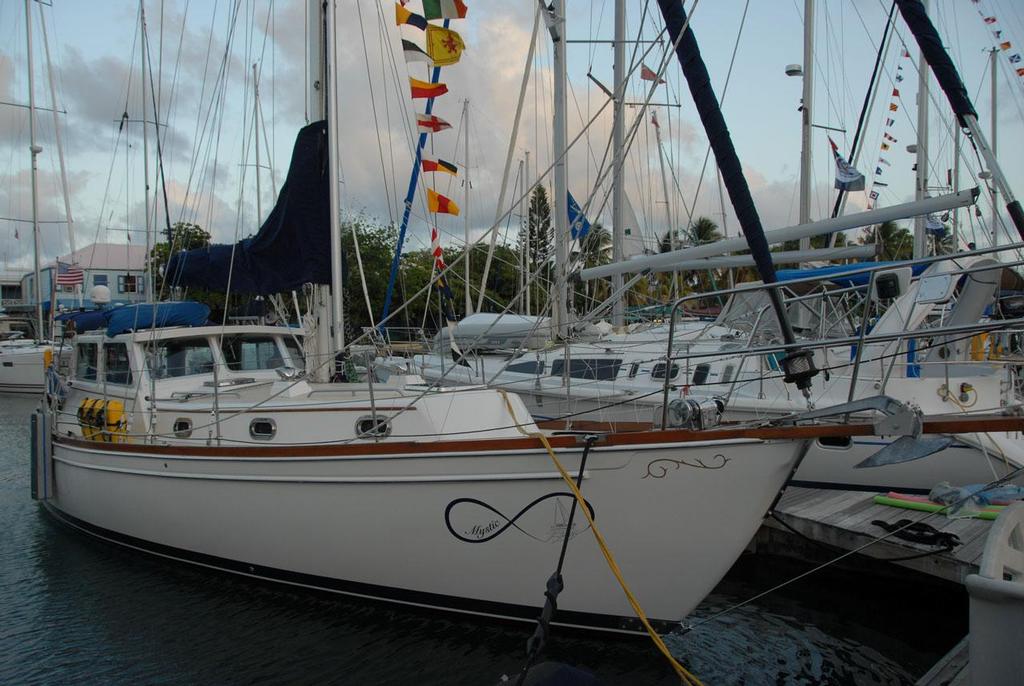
column 206, row 444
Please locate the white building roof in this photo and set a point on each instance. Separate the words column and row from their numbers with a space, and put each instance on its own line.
column 113, row 256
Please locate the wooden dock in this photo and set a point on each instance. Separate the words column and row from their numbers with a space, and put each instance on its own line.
column 843, row 520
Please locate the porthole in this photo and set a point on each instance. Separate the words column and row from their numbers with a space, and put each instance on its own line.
column 263, row 428
column 700, row 374
column 373, row 426
column 835, row 442
column 182, row 427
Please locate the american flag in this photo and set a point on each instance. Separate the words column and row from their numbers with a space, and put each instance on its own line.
column 69, row 275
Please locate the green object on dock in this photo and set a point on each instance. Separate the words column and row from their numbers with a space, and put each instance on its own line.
column 990, row 512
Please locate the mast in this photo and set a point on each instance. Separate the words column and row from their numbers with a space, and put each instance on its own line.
column 668, row 208
column 559, row 311
column 528, row 243
column 618, row 149
column 145, row 150
column 921, row 180
column 465, row 211
column 331, row 105
column 956, row 185
column 57, row 138
column 256, row 139
column 805, row 119
column 35, row 150
column 523, row 235
column 995, row 190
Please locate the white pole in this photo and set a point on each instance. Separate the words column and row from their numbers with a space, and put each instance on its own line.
column 805, row 118
column 331, row 103
column 668, row 209
column 921, row 184
column 465, row 210
column 145, row 150
column 559, row 311
column 523, row 236
column 35, row 150
column 995, row 189
column 499, row 209
column 256, row 140
column 618, row 159
column 527, row 265
column 956, row 183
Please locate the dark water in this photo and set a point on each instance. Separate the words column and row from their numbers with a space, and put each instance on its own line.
column 75, row 610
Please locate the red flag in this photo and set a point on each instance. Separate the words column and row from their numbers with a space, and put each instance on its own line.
column 654, row 120
column 895, row 92
column 425, row 89
column 431, row 164
column 439, row 204
column 990, row 20
column 647, row 74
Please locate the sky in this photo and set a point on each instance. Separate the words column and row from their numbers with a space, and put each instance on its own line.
column 202, row 52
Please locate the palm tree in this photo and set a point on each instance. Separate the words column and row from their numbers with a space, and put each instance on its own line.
column 594, row 249
column 896, row 243
column 702, row 230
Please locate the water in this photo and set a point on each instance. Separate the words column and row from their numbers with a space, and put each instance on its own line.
column 77, row 610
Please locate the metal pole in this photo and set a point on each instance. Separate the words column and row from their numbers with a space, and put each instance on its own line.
column 465, row 211
column 523, row 236
column 921, row 184
column 995, row 189
column 35, row 150
column 668, row 206
column 527, row 265
column 561, row 205
column 805, row 114
column 618, row 155
column 956, row 184
column 331, row 102
column 145, row 152
column 256, row 140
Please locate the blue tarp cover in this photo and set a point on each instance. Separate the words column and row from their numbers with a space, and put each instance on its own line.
column 136, row 317
column 839, row 269
column 88, row 320
column 293, row 247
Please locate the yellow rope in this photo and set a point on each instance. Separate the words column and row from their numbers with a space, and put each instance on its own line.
column 684, row 675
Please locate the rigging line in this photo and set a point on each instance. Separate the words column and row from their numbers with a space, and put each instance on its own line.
column 867, row 101
column 386, row 52
column 373, row 109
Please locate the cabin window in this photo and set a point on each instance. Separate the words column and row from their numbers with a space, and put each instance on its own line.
column 634, row 369
column 85, row 367
column 117, row 365
column 248, row 353
column 727, row 373
column 533, row 367
column 835, row 442
column 99, row 279
column 596, row 369
column 295, row 352
column 700, row 374
column 659, row 371
column 181, row 357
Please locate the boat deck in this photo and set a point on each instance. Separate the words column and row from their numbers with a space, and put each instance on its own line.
column 843, row 519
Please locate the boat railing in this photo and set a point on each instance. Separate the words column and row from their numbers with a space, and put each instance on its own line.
column 863, row 337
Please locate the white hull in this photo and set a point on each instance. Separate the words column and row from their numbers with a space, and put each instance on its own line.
column 23, row 369
column 375, row 525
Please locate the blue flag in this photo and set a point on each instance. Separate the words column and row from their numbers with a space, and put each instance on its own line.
column 578, row 224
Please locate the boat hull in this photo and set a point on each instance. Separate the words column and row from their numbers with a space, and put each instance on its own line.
column 466, row 532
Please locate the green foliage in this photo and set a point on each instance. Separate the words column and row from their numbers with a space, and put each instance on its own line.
column 896, row 243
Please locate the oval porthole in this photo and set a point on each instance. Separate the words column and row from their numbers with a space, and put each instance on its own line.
column 182, row 427
column 835, row 442
column 263, row 428
column 373, row 426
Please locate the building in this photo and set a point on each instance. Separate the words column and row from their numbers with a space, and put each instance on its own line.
column 121, row 267
column 10, row 288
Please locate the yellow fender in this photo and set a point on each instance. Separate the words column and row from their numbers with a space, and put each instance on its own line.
column 103, row 420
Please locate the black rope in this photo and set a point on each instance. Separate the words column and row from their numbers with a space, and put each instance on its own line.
column 555, row 584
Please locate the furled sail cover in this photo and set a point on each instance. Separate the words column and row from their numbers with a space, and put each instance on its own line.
column 155, row 315
column 292, row 247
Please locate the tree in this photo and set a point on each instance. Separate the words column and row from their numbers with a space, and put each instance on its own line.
column 539, row 245
column 182, row 236
column 896, row 243
column 703, row 230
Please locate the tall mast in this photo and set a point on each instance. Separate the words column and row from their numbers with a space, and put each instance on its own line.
column 35, row 150
column 331, row 105
column 560, row 313
column 256, row 140
column 668, row 205
column 618, row 119
column 57, row 135
column 995, row 190
column 465, row 210
column 956, row 184
column 145, row 148
column 921, row 183
column 805, row 118
column 529, row 240
column 523, row 235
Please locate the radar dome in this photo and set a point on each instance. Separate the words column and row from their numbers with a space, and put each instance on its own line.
column 100, row 295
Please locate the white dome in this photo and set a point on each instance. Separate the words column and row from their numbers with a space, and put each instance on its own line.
column 100, row 295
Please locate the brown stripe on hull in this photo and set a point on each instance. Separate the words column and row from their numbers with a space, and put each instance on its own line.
column 938, row 425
